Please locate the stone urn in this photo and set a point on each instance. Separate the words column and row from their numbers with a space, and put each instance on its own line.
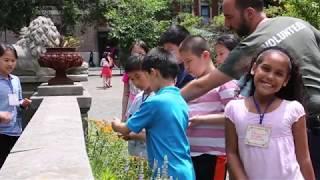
column 60, row 59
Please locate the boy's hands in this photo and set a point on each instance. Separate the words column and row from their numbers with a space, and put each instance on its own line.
column 115, row 124
column 5, row 117
column 26, row 102
column 125, row 137
column 120, row 127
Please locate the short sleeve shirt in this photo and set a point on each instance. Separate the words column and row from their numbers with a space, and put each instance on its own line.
column 165, row 119
column 10, row 86
column 298, row 37
column 278, row 160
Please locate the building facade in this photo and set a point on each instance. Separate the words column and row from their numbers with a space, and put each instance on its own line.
column 206, row 9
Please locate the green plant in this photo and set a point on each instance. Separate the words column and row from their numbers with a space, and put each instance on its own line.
column 15, row 15
column 108, row 155
column 274, row 11
column 188, row 20
column 308, row 10
column 218, row 22
column 136, row 19
column 110, row 160
column 70, row 41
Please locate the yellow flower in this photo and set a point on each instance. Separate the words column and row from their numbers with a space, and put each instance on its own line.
column 107, row 128
column 99, row 123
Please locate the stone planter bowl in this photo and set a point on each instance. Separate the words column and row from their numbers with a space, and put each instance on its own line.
column 60, row 59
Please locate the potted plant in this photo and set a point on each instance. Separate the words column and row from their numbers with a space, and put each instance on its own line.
column 61, row 59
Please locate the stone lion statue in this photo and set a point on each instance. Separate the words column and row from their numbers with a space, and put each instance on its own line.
column 34, row 39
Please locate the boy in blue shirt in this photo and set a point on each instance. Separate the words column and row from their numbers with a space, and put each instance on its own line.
column 164, row 116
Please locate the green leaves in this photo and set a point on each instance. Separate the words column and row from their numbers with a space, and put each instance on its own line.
column 109, row 156
column 308, row 10
column 136, row 19
column 15, row 14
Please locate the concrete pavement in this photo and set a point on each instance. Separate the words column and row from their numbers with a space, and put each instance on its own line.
column 106, row 103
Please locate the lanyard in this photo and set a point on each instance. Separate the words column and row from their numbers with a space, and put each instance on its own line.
column 10, row 85
column 145, row 97
column 259, row 110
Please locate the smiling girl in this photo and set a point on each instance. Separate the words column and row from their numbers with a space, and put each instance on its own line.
column 266, row 132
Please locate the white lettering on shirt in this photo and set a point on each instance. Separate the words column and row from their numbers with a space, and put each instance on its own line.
column 284, row 34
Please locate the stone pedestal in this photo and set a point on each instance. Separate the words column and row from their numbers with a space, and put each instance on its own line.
column 60, row 90
column 83, row 98
column 30, row 83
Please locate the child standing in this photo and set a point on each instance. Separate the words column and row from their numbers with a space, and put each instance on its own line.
column 133, row 67
column 266, row 132
column 106, row 73
column 225, row 43
column 129, row 90
column 164, row 117
column 11, row 102
column 170, row 40
column 206, row 130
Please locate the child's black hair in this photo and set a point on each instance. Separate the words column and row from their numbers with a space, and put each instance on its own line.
column 141, row 44
column 160, row 59
column 175, row 34
column 4, row 47
column 294, row 89
column 134, row 63
column 229, row 41
column 195, row 44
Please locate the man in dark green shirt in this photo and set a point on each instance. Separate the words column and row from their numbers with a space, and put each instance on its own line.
column 247, row 19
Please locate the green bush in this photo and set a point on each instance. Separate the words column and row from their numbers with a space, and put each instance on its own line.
column 109, row 157
column 308, row 10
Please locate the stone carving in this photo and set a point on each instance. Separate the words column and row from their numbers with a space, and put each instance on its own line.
column 34, row 39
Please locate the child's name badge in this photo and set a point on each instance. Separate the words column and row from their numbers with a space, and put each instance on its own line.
column 13, row 100
column 257, row 135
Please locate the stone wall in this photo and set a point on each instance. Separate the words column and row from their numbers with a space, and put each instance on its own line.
column 52, row 146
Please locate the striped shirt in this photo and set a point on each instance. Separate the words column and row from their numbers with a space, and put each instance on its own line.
column 210, row 139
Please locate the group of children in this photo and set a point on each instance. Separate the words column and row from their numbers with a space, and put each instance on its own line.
column 262, row 136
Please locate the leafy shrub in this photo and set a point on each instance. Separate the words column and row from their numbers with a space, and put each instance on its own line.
column 110, row 160
column 109, row 157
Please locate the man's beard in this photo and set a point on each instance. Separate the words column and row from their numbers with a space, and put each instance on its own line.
column 243, row 29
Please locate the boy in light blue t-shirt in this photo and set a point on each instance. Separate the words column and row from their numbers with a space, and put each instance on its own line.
column 133, row 67
column 164, row 116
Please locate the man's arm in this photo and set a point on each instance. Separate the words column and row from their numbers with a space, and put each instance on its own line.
column 208, row 119
column 198, row 87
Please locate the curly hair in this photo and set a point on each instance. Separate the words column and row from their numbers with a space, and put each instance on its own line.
column 294, row 89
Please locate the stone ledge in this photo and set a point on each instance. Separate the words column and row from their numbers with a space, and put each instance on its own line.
column 52, row 146
column 84, row 100
column 60, row 90
column 31, row 79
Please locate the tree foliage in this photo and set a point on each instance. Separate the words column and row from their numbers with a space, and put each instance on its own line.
column 136, row 19
column 15, row 14
column 308, row 10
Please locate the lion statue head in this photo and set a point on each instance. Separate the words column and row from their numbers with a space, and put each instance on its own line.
column 34, row 39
